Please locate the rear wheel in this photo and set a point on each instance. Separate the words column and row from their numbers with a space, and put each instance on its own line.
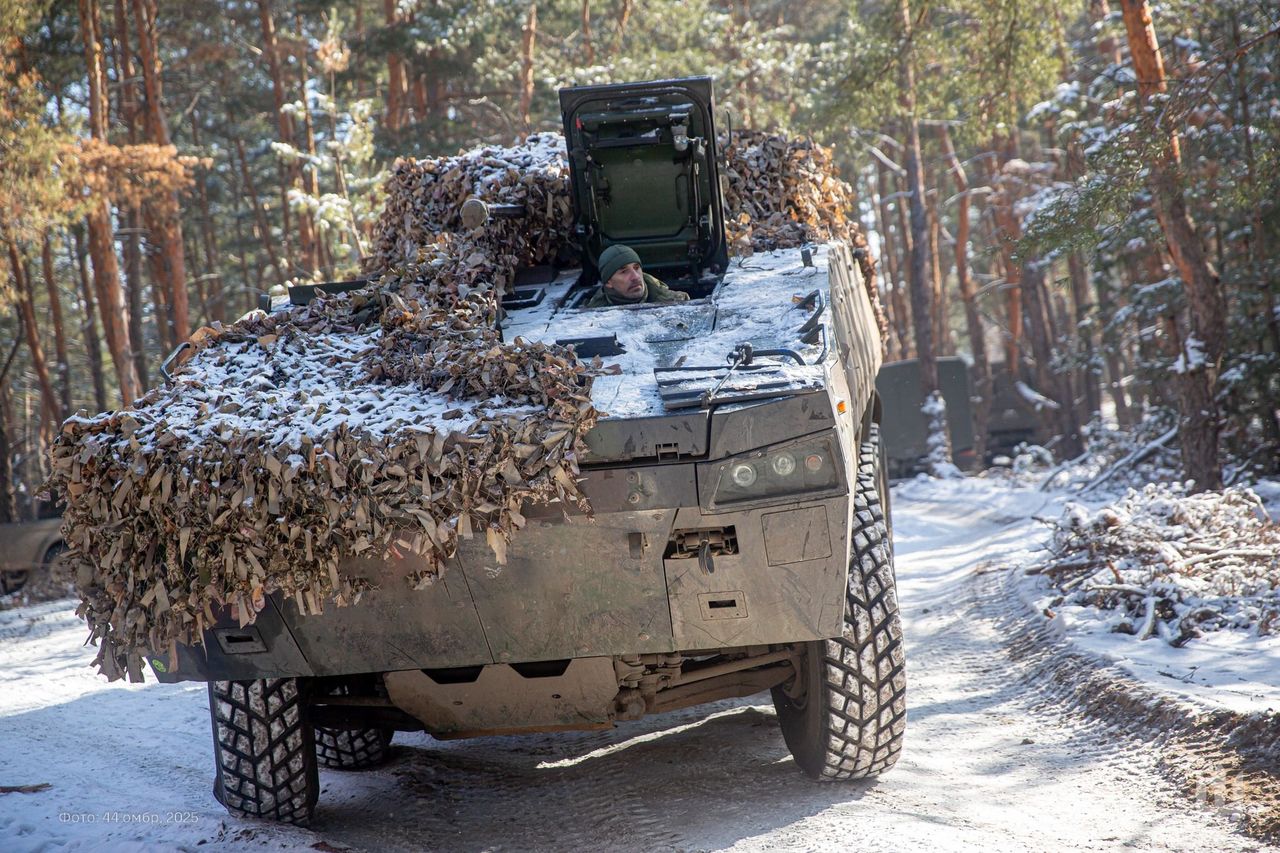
column 12, row 581
column 844, row 715
column 264, row 750
column 353, row 749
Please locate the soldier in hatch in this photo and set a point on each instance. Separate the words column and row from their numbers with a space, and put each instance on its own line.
column 624, row 283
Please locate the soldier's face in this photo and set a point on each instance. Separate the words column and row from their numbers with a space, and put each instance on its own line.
column 627, row 282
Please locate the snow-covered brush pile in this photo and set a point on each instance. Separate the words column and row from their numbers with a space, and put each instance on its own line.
column 1114, row 459
column 386, row 422
column 1171, row 564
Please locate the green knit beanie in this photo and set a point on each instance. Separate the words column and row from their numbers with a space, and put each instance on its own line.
column 615, row 258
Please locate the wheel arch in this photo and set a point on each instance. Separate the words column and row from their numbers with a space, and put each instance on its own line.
column 871, row 415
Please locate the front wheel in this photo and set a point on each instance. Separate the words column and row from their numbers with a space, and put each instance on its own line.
column 844, row 715
column 264, row 750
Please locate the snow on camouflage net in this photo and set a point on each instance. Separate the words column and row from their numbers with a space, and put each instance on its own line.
column 1171, row 564
column 293, row 440
column 389, row 420
column 784, row 192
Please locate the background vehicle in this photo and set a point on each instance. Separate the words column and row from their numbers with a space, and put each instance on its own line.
column 26, row 549
column 898, row 385
column 739, row 540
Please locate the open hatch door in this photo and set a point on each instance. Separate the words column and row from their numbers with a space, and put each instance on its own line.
column 644, row 171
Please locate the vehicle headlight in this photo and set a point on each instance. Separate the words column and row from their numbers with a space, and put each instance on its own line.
column 808, row 466
column 743, row 475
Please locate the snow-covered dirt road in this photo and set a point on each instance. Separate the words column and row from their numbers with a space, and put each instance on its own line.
column 998, row 756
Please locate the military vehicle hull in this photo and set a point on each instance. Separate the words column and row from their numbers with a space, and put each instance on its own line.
column 902, row 398
column 737, row 540
column 630, row 581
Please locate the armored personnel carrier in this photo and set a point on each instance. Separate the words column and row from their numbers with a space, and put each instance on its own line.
column 740, row 538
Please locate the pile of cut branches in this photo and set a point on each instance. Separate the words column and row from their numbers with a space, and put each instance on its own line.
column 1171, row 564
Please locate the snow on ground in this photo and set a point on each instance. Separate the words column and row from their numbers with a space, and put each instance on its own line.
column 1159, row 568
column 989, row 763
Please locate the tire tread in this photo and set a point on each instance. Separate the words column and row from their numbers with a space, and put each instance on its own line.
column 264, row 749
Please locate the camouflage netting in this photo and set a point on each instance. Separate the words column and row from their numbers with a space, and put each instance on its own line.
column 786, row 192
column 424, row 200
column 384, row 422
column 780, row 193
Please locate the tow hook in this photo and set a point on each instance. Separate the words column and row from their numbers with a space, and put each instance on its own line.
column 705, row 561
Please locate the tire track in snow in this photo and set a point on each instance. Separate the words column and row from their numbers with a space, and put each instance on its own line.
column 1125, row 723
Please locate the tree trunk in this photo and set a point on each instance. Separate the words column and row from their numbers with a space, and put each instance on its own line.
column 106, row 270
column 159, row 290
column 1108, row 48
column 289, row 174
column 529, row 37
column 216, row 309
column 88, row 325
column 920, row 280
column 135, row 290
column 130, row 236
column 904, row 256
column 624, row 15
column 1038, row 336
column 1111, row 343
column 1203, row 349
column 397, row 82
column 25, row 292
column 897, row 301
column 421, row 103
column 63, row 366
column 249, row 291
column 937, row 280
column 922, row 306
column 318, row 258
column 1082, row 303
column 1259, row 243
column 259, row 215
column 588, row 50
column 968, row 294
column 249, row 288
column 1008, row 232
column 8, row 504
column 171, row 257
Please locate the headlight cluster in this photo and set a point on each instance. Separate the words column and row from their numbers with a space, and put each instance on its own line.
column 812, row 465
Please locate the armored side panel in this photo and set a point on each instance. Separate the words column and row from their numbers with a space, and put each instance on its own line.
column 857, row 335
